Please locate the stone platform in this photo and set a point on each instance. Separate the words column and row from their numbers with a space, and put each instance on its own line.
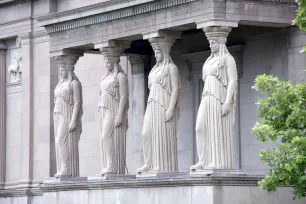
column 175, row 190
column 217, row 172
column 111, row 177
column 160, row 175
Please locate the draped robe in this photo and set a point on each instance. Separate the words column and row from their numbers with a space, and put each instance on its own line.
column 214, row 131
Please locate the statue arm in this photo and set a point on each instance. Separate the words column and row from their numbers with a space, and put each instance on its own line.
column 231, row 72
column 76, row 86
column 174, row 79
column 123, row 98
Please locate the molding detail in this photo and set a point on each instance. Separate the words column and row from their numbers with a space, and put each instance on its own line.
column 114, row 15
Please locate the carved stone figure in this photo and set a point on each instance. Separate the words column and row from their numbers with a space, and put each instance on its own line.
column 113, row 107
column 67, row 118
column 216, row 114
column 15, row 69
column 162, row 112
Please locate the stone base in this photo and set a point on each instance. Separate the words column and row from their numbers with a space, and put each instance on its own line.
column 64, row 179
column 217, row 172
column 111, row 177
column 178, row 190
column 160, row 174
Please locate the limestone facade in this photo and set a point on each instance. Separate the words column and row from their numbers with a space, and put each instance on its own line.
column 263, row 42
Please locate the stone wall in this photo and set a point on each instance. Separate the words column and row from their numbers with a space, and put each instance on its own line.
column 263, row 54
column 64, row 5
column 13, row 120
column 216, row 190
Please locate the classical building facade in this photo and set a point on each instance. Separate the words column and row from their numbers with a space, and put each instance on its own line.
column 34, row 33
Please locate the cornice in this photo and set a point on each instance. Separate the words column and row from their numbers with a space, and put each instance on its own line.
column 86, row 11
column 16, row 21
column 54, row 24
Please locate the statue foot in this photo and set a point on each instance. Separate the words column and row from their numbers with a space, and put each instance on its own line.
column 145, row 168
column 107, row 171
column 197, row 166
column 61, row 174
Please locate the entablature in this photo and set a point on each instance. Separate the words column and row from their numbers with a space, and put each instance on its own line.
column 85, row 27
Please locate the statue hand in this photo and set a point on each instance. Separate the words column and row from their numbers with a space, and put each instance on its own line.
column 225, row 108
column 118, row 121
column 169, row 115
column 72, row 125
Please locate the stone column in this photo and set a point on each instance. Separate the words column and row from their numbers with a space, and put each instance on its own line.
column 71, row 159
column 138, row 107
column 2, row 113
column 223, row 155
column 113, row 142
column 159, row 131
column 26, row 174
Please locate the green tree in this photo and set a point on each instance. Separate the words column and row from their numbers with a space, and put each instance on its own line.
column 282, row 120
column 300, row 19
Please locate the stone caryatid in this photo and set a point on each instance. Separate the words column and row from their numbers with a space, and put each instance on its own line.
column 67, row 118
column 162, row 112
column 216, row 114
column 113, row 108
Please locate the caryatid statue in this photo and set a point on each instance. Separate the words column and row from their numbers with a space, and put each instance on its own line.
column 113, row 113
column 162, row 111
column 216, row 114
column 67, row 118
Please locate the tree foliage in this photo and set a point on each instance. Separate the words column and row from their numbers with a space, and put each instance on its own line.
column 282, row 120
column 300, row 19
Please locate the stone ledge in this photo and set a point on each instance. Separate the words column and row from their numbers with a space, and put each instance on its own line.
column 150, row 182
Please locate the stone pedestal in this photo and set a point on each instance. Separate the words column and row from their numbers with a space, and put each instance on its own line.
column 218, row 172
column 208, row 190
column 161, row 174
column 53, row 180
column 111, row 177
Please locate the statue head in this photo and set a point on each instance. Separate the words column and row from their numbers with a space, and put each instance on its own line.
column 217, row 37
column 159, row 55
column 111, row 62
column 63, row 71
column 66, row 65
column 18, row 57
column 214, row 46
column 162, row 47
